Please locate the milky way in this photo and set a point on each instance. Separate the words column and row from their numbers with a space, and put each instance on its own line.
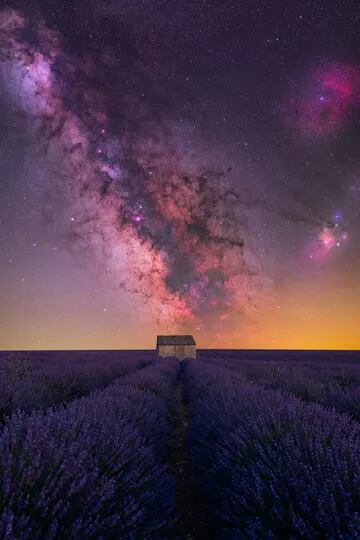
column 169, row 228
column 179, row 167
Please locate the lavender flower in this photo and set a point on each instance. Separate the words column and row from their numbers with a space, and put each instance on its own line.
column 42, row 379
column 268, row 465
column 91, row 469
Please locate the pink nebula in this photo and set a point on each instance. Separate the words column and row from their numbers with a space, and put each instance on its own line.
column 326, row 101
column 327, row 242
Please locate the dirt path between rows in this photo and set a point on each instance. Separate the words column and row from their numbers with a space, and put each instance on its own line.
column 191, row 523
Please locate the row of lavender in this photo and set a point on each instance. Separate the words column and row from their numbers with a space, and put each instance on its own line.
column 331, row 378
column 93, row 468
column 268, row 465
column 39, row 379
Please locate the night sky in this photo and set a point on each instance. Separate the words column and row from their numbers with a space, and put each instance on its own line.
column 172, row 166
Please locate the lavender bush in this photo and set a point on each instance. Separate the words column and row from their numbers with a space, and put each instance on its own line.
column 333, row 381
column 91, row 469
column 44, row 379
column 271, row 466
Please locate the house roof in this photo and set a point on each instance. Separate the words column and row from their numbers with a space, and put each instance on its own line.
column 175, row 340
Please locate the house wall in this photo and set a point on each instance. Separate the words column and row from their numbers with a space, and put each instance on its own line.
column 180, row 351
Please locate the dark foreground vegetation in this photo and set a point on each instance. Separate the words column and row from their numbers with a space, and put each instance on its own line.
column 233, row 445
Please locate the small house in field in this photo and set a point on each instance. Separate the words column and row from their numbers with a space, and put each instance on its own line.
column 179, row 346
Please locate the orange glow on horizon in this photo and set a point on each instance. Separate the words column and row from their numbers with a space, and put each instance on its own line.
column 309, row 318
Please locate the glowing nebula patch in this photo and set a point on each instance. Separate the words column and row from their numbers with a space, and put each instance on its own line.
column 326, row 101
column 331, row 237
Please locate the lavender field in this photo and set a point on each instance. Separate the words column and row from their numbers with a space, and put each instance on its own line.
column 232, row 445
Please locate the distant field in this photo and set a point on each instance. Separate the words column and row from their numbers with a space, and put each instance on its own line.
column 233, row 445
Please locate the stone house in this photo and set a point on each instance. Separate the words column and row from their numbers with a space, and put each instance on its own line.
column 179, row 346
